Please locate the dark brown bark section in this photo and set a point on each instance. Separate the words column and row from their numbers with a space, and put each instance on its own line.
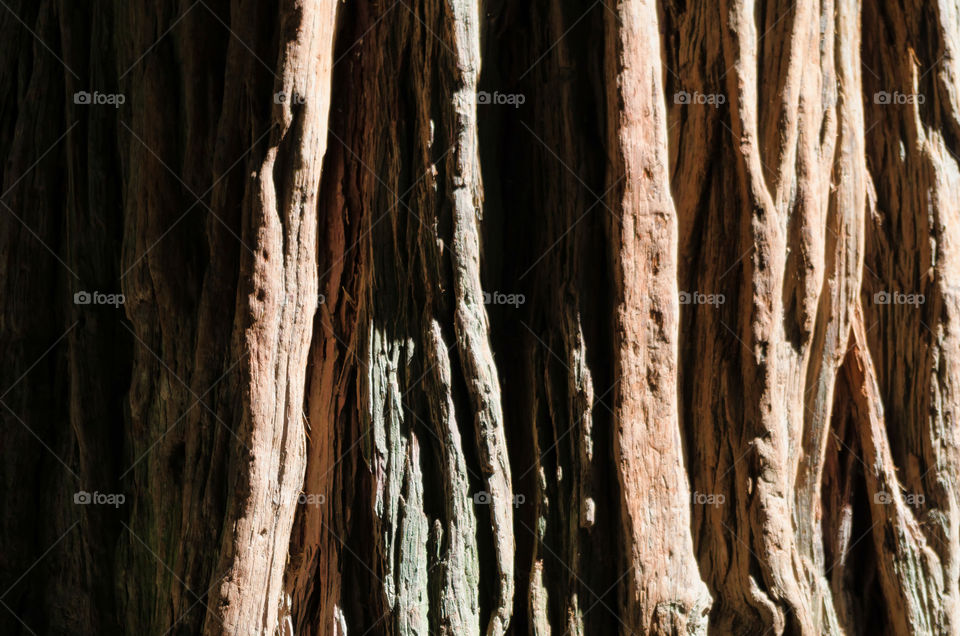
column 186, row 399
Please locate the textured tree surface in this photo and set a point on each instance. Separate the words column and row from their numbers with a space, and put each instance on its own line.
column 444, row 317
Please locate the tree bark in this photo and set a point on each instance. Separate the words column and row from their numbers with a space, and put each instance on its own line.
column 446, row 317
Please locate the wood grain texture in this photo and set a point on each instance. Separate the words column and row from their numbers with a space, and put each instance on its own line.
column 445, row 317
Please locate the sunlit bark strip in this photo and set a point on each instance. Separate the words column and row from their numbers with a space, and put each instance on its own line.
column 662, row 593
column 275, row 325
column 472, row 327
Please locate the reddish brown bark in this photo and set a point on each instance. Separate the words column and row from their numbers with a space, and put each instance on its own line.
column 449, row 318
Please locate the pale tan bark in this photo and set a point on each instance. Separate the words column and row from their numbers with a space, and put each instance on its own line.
column 663, row 593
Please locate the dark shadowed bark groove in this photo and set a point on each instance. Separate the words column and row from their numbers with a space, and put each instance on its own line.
column 445, row 317
column 909, row 569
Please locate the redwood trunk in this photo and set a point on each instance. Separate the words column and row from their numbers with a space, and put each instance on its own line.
column 444, row 317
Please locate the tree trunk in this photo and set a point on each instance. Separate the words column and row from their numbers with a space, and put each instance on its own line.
column 442, row 317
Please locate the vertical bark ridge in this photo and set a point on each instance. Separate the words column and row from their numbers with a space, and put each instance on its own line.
column 843, row 164
column 274, row 327
column 458, row 603
column 471, row 323
column 655, row 526
column 424, row 214
column 801, row 189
